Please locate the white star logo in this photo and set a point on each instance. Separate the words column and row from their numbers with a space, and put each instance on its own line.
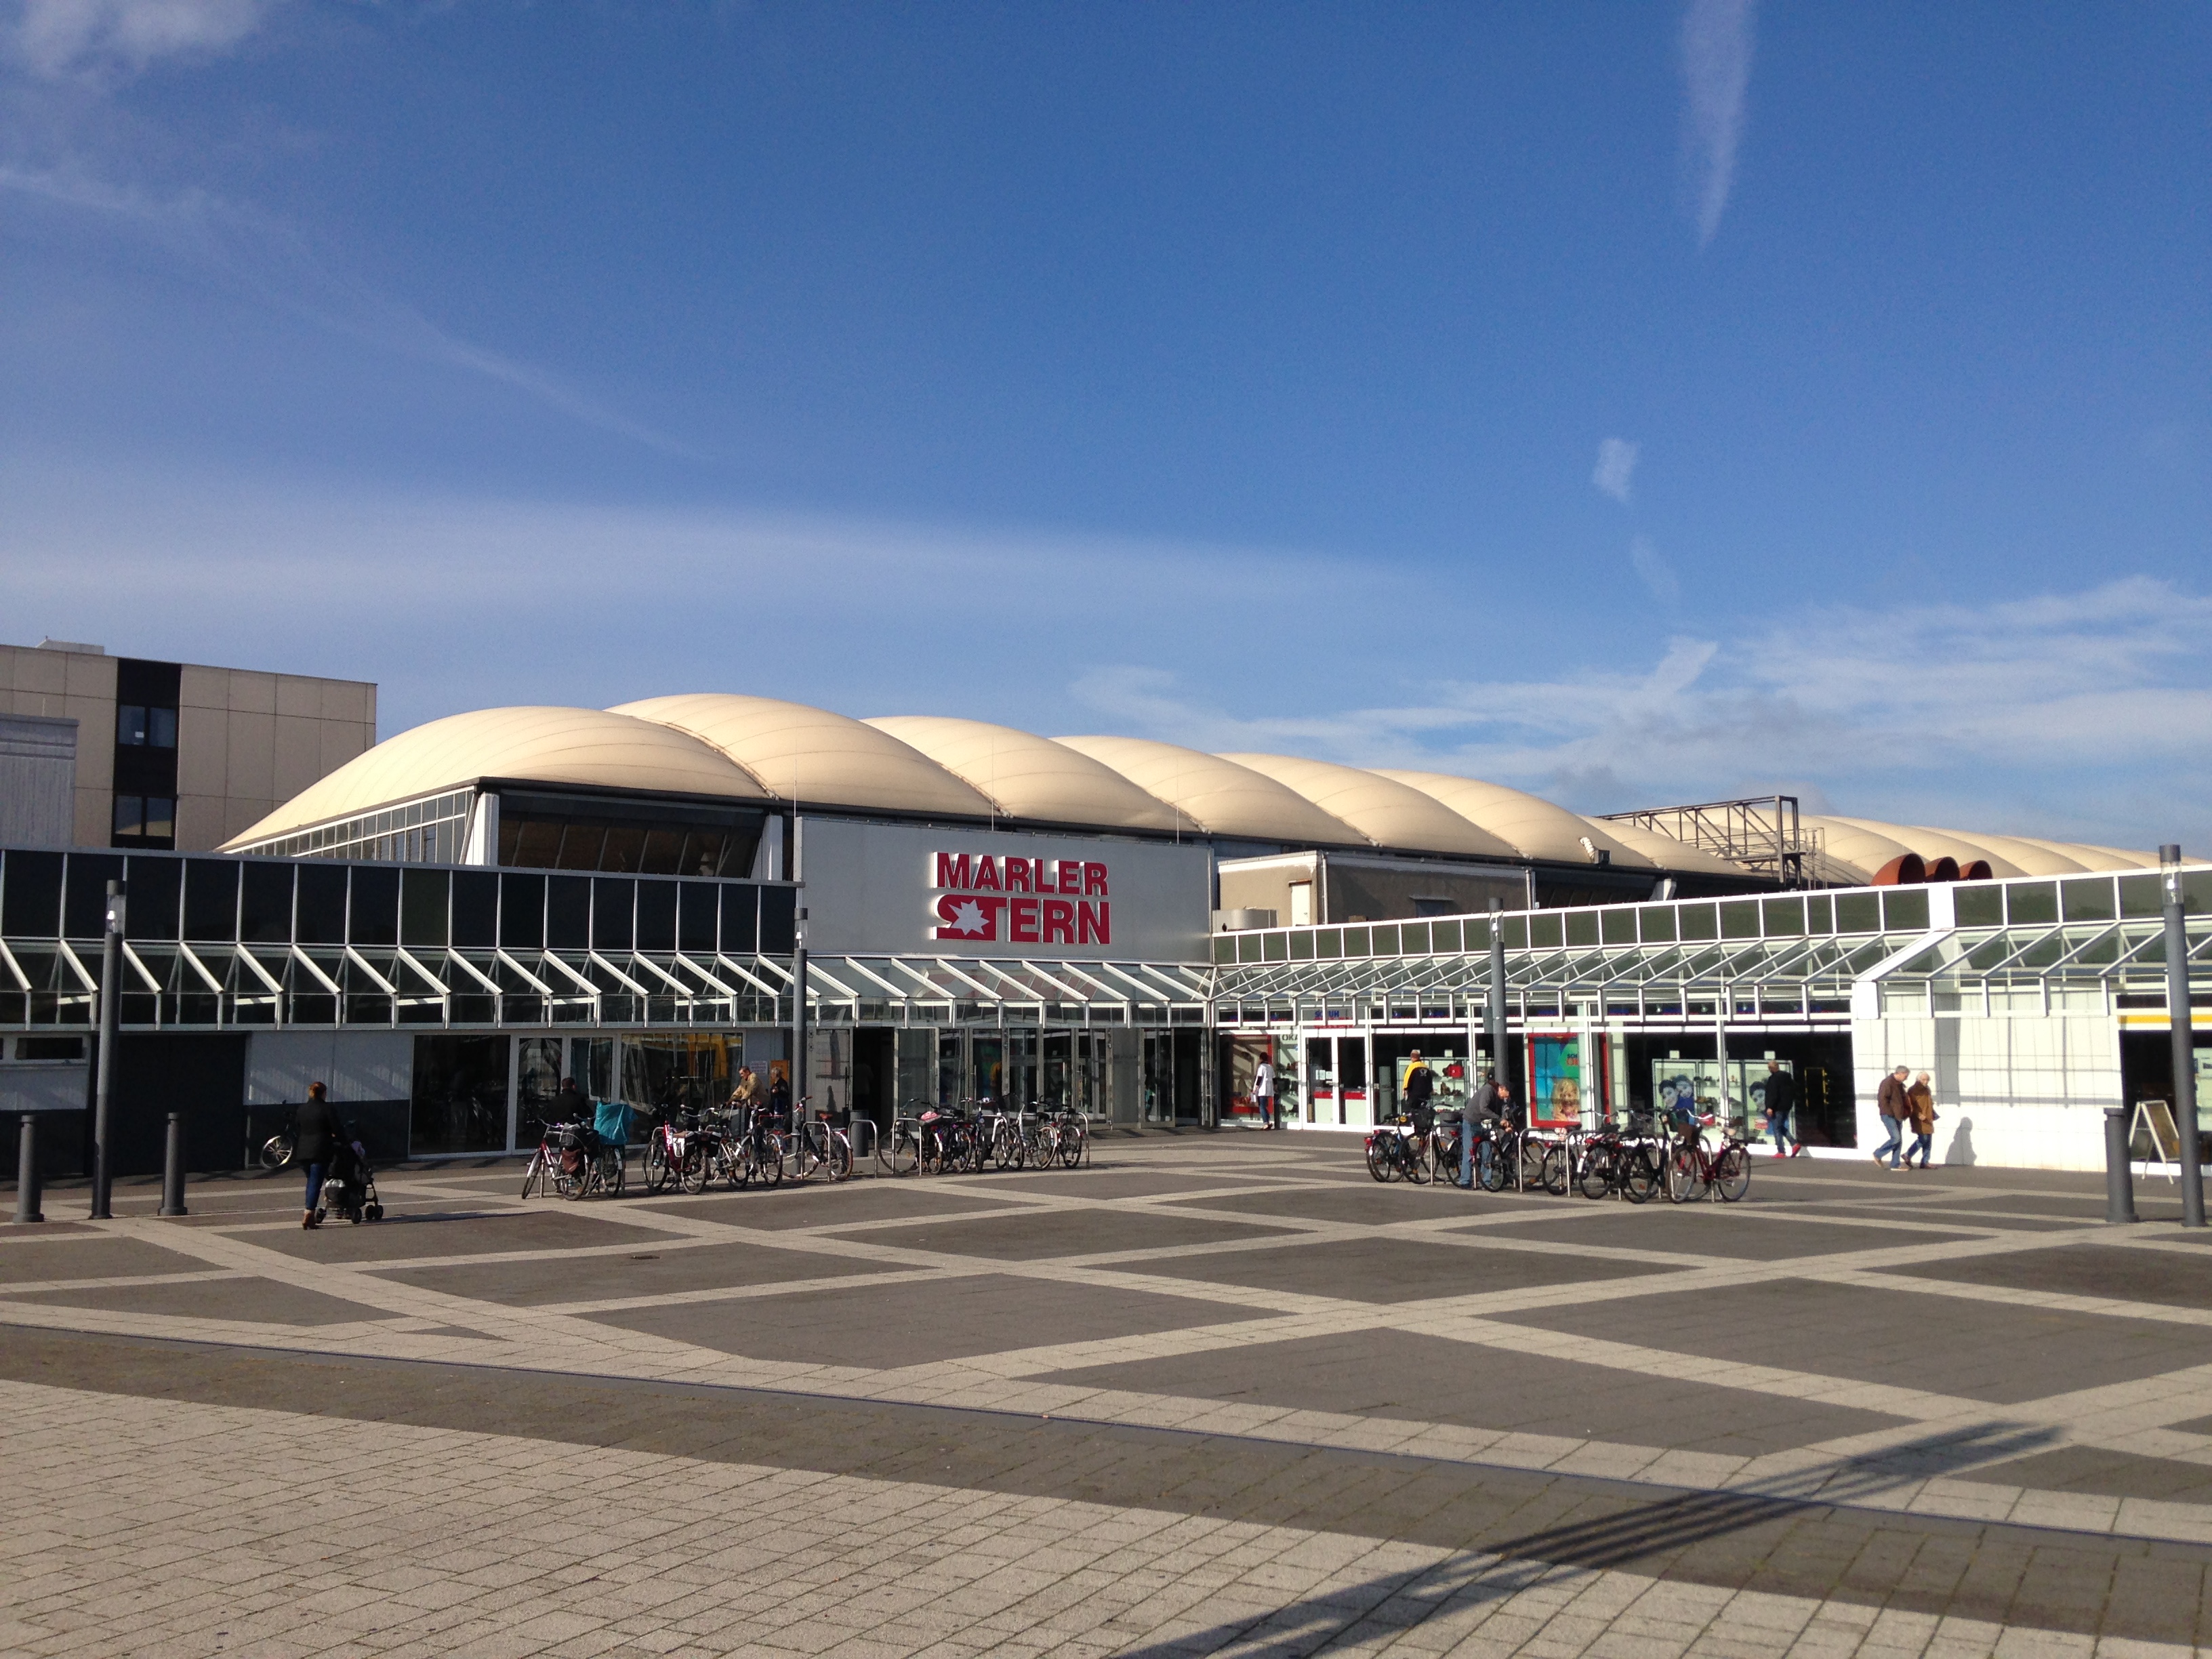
column 969, row 919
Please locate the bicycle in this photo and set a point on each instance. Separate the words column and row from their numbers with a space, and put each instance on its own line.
column 1397, row 1152
column 1610, row 1161
column 681, row 1151
column 752, row 1151
column 573, row 1162
column 1066, row 1133
column 899, row 1152
column 819, row 1145
column 1694, row 1169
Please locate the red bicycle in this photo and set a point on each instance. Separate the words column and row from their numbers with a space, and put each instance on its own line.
column 1695, row 1167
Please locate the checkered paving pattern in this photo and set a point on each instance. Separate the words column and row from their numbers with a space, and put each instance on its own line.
column 1216, row 1394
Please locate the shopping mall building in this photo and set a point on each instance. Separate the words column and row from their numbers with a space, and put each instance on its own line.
column 648, row 897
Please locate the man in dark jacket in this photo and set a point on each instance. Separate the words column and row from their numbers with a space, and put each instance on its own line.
column 1476, row 1117
column 1781, row 1102
column 317, row 1131
column 1889, row 1100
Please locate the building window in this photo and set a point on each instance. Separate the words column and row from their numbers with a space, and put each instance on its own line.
column 138, row 725
column 146, row 818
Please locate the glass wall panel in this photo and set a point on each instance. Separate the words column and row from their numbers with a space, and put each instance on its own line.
column 537, row 1081
column 459, row 1103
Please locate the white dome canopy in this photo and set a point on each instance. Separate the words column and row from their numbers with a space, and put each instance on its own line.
column 1388, row 812
column 1030, row 776
column 1218, row 796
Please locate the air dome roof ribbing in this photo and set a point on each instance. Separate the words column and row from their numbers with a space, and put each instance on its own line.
column 1932, row 844
column 1667, row 852
column 581, row 746
column 1029, row 776
column 807, row 754
column 1216, row 795
column 1531, row 825
column 1853, row 852
column 1387, row 813
column 2030, row 858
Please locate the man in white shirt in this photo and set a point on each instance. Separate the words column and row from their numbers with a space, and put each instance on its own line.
column 1263, row 1091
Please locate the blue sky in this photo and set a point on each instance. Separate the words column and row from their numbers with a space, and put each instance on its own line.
column 1633, row 404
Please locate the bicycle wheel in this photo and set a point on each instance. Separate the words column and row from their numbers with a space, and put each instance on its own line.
column 1732, row 1175
column 803, row 1159
column 276, row 1153
column 1600, row 1165
column 769, row 1162
column 1532, row 1165
column 905, row 1156
column 581, row 1183
column 614, row 1171
column 1640, row 1174
column 1378, row 1159
column 533, row 1177
column 1074, row 1145
column 840, row 1161
column 1552, row 1169
column 656, row 1163
column 1497, row 1174
column 1685, row 1175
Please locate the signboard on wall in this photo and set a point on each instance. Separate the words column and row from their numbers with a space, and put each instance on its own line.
column 915, row 890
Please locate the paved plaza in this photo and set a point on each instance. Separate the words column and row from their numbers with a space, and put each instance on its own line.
column 1216, row 1394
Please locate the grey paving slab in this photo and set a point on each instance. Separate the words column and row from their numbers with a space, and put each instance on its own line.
column 891, row 1326
column 2166, row 1277
column 252, row 1301
column 1063, row 1232
column 1367, row 1204
column 88, row 1255
column 1928, row 1216
column 1099, row 1179
column 1708, row 1230
column 1976, row 1350
column 1410, row 1378
column 821, row 1205
column 2101, row 1470
column 672, row 1267
column 401, row 1237
column 1395, row 1270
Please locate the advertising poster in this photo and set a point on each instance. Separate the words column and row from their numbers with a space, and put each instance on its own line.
column 1555, row 1081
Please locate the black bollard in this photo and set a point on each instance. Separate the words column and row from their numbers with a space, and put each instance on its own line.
column 172, row 1169
column 2119, row 1175
column 27, row 1172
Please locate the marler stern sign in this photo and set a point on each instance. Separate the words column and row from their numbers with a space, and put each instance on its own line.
column 979, row 891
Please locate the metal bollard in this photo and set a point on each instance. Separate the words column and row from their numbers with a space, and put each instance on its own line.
column 27, row 1172
column 2120, row 1175
column 172, row 1169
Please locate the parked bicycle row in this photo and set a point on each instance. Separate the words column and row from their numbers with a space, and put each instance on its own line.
column 1633, row 1159
column 741, row 1145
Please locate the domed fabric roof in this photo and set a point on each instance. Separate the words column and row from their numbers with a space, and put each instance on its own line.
column 1030, row 776
column 1218, row 796
column 1932, row 844
column 812, row 756
column 1853, row 851
column 581, row 746
column 2029, row 858
column 1388, row 813
column 1668, row 854
column 2091, row 857
column 1533, row 826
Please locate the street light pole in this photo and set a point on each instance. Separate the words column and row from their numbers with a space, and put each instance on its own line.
column 111, row 999
column 2181, row 1021
column 1497, row 990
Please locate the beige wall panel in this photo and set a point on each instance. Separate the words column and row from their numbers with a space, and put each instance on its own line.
column 204, row 688
column 344, row 700
column 43, row 672
column 95, row 737
column 199, row 823
column 251, row 765
column 299, row 754
column 95, row 816
column 252, row 693
column 337, row 743
column 202, row 750
column 241, row 812
column 299, row 696
column 88, row 677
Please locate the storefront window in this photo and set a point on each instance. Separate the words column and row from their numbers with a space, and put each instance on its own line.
column 459, row 1103
column 536, row 1081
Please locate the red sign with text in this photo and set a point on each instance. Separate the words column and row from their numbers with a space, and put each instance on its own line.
column 1021, row 901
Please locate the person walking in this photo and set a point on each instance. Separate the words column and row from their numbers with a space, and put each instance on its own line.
column 317, row 1135
column 1484, row 1108
column 1890, row 1100
column 1920, row 1102
column 1781, row 1102
column 1263, row 1091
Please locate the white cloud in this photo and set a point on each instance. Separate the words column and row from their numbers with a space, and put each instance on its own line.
column 55, row 38
column 1653, row 572
column 1616, row 467
column 269, row 261
column 1716, row 45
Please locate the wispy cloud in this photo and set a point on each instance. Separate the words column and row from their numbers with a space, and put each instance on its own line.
column 1653, row 572
column 273, row 263
column 1616, row 467
column 2085, row 714
column 1716, row 47
column 57, row 38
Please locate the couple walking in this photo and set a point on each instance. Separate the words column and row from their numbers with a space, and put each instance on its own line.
column 1898, row 1105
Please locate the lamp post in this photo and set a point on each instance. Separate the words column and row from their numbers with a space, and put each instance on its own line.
column 111, row 999
column 798, row 1020
column 2181, row 1021
column 1498, row 989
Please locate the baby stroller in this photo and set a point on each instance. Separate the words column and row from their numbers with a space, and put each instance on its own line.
column 349, row 1189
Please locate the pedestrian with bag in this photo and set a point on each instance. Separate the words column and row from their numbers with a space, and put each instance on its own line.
column 1263, row 1091
column 1891, row 1103
column 317, row 1131
column 1920, row 1102
column 1781, row 1102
